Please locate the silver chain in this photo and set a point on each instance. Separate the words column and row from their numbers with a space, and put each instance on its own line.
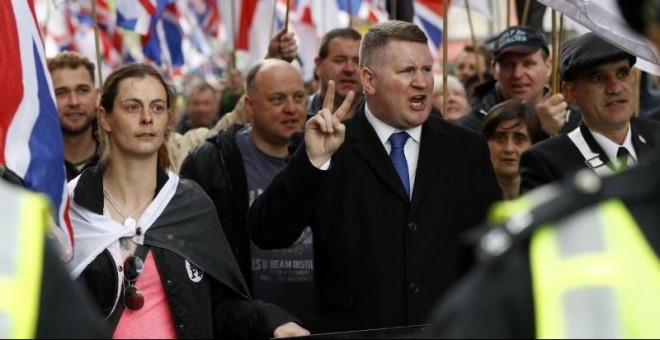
column 121, row 212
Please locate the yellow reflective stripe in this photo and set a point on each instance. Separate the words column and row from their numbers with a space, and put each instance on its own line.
column 639, row 281
column 503, row 210
column 554, row 274
column 621, row 278
column 546, row 302
column 19, row 295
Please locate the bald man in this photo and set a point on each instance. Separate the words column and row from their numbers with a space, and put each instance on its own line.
column 236, row 165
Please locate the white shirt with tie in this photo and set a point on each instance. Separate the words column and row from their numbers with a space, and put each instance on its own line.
column 411, row 150
column 610, row 148
column 384, row 131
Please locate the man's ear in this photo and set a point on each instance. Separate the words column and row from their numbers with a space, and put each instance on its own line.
column 568, row 90
column 548, row 66
column 249, row 106
column 368, row 80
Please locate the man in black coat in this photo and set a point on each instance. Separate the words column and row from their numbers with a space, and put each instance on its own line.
column 387, row 238
column 596, row 77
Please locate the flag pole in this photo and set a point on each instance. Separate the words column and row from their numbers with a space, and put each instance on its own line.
column 474, row 42
column 508, row 13
column 553, row 38
column 393, row 9
column 286, row 16
column 638, row 80
column 272, row 19
column 350, row 13
column 560, row 39
column 96, row 43
column 232, row 61
column 445, row 64
column 525, row 13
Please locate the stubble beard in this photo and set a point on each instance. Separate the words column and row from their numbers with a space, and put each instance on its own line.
column 75, row 131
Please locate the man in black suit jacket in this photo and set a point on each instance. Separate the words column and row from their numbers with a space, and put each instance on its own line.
column 596, row 77
column 382, row 254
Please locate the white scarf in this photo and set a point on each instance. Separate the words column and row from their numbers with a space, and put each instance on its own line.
column 93, row 233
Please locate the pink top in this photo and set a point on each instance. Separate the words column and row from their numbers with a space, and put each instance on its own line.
column 154, row 319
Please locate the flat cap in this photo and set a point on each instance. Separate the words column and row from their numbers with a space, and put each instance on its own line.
column 587, row 51
column 519, row 39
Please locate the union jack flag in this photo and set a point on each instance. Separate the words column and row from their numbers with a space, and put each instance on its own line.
column 30, row 136
column 157, row 21
column 428, row 16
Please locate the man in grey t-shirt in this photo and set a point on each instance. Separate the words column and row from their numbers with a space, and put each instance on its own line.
column 281, row 276
column 237, row 164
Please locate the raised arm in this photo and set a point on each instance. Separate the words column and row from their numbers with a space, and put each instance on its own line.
column 281, row 213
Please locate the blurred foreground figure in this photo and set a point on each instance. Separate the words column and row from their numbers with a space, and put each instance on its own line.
column 38, row 298
column 571, row 260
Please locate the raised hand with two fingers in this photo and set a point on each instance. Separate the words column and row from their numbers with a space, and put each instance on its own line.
column 324, row 133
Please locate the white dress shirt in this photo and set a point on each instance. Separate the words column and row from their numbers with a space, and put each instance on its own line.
column 612, row 148
column 384, row 131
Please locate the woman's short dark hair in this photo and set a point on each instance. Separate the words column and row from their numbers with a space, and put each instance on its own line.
column 514, row 109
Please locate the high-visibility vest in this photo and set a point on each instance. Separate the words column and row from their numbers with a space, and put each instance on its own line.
column 24, row 219
column 594, row 275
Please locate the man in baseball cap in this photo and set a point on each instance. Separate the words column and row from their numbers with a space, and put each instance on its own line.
column 597, row 78
column 519, row 39
column 522, row 68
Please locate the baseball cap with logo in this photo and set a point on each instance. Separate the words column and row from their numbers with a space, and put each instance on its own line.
column 519, row 39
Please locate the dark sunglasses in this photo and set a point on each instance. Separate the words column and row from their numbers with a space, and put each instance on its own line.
column 133, row 298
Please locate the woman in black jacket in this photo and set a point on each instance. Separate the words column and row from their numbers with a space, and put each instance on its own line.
column 148, row 245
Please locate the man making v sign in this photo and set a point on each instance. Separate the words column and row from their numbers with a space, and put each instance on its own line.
column 386, row 243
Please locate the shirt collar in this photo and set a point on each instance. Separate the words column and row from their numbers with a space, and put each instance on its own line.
column 610, row 148
column 384, row 131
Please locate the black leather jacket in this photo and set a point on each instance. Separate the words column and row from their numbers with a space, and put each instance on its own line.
column 217, row 166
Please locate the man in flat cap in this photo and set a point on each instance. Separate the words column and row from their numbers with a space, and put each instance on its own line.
column 522, row 66
column 597, row 78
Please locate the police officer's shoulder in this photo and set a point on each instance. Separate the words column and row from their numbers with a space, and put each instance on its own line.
column 515, row 221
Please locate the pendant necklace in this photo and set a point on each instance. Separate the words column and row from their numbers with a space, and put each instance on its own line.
column 129, row 221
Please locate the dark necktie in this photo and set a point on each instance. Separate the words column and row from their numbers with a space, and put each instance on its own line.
column 398, row 141
column 622, row 155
